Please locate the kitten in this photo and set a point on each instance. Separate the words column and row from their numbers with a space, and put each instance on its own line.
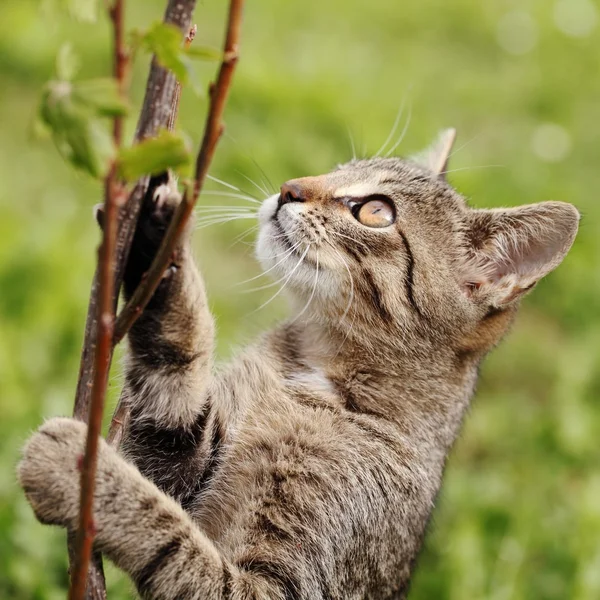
column 309, row 466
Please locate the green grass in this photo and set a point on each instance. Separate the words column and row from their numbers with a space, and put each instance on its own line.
column 519, row 514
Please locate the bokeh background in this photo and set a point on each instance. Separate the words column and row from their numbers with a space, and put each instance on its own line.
column 519, row 514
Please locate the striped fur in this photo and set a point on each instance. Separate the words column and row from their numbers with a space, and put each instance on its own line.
column 308, row 467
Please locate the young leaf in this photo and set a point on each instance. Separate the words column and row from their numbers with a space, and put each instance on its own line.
column 203, row 53
column 84, row 10
column 168, row 150
column 165, row 41
column 67, row 62
column 81, row 139
column 101, row 95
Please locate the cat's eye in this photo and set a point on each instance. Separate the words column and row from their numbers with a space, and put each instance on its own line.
column 375, row 213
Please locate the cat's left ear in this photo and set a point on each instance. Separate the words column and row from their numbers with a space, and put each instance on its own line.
column 510, row 250
column 435, row 158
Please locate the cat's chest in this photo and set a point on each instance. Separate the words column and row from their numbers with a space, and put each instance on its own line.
column 313, row 380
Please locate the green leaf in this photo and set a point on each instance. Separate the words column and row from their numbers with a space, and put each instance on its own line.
column 203, row 53
column 101, row 95
column 168, row 150
column 165, row 41
column 83, row 10
column 67, row 62
column 80, row 137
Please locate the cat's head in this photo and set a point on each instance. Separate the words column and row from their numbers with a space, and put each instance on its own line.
column 388, row 245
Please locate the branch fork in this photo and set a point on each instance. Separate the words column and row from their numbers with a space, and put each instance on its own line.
column 103, row 329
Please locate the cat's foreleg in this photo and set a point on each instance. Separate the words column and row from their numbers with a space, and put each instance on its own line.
column 143, row 531
column 169, row 364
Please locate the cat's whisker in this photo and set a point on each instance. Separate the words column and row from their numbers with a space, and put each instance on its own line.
column 265, row 178
column 457, row 150
column 229, row 185
column 290, row 275
column 239, row 238
column 312, row 294
column 351, row 139
column 404, row 130
column 232, row 195
column 258, row 187
column 353, row 240
column 212, row 209
column 222, row 214
column 476, row 167
column 394, row 128
column 221, row 221
column 285, row 255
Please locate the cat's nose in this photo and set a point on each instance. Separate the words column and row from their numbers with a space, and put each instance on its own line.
column 292, row 191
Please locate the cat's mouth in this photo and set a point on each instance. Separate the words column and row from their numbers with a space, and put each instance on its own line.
column 282, row 236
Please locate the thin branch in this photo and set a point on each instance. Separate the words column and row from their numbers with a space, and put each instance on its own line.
column 161, row 82
column 121, row 63
column 212, row 132
column 189, row 38
column 106, row 316
column 157, row 103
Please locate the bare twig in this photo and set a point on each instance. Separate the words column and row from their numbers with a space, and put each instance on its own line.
column 121, row 63
column 189, row 38
column 157, row 103
column 161, row 82
column 212, row 132
column 106, row 315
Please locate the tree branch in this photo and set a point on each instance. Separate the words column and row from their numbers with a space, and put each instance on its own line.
column 106, row 315
column 212, row 132
column 154, row 114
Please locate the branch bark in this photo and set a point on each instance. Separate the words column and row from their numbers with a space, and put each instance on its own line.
column 154, row 115
column 213, row 130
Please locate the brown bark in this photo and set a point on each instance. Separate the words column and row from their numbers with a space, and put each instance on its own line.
column 154, row 114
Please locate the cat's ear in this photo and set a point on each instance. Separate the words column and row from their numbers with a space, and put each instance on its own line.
column 435, row 158
column 510, row 250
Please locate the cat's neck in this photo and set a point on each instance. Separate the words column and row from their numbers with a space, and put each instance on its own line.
column 414, row 383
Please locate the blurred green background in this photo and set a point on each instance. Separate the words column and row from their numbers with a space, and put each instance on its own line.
column 519, row 514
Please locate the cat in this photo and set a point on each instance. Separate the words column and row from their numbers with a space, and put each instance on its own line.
column 308, row 467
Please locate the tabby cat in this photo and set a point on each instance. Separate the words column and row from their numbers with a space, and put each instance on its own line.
column 308, row 467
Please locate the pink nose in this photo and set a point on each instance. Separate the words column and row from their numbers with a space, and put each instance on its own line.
column 293, row 191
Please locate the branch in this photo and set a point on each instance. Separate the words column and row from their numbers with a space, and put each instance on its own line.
column 189, row 38
column 106, row 315
column 157, row 103
column 212, row 132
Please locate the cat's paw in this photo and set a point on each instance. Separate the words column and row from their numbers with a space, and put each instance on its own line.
column 165, row 199
column 49, row 471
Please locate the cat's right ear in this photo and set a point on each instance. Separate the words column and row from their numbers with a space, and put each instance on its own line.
column 435, row 158
column 510, row 250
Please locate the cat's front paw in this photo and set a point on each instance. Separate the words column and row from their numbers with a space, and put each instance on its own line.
column 49, row 470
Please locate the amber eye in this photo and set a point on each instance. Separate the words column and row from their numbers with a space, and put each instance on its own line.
column 375, row 213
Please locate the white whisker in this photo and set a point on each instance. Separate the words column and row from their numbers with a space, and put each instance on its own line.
column 231, row 195
column 207, row 223
column 262, row 287
column 291, row 274
column 264, row 177
column 394, row 128
column 312, row 294
column 229, row 185
column 464, row 145
column 352, row 146
column 239, row 238
column 477, row 167
column 404, row 130
column 258, row 187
